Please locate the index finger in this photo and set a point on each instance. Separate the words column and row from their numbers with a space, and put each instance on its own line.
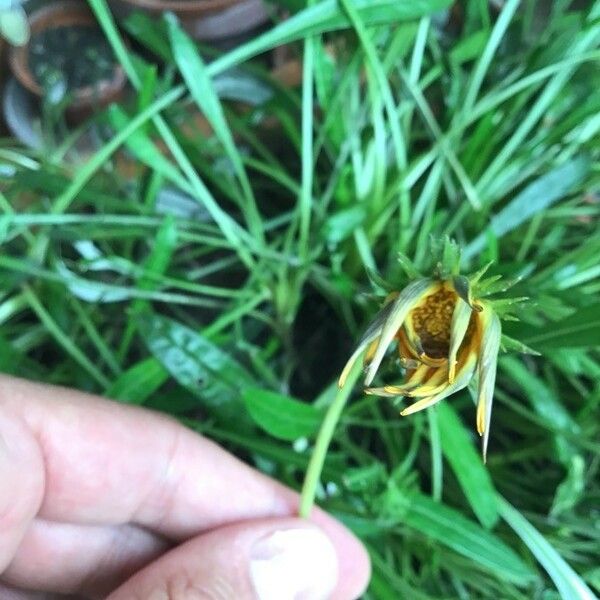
column 108, row 463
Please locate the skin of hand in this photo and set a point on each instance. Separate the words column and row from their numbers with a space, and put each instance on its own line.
column 103, row 500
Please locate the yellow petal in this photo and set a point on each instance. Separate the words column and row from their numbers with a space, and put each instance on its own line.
column 389, row 391
column 408, row 298
column 419, row 375
column 462, row 380
column 420, row 405
column 488, row 358
column 460, row 323
column 427, row 390
column 423, row 382
column 371, row 350
column 366, row 341
column 436, row 383
column 432, row 362
column 481, row 415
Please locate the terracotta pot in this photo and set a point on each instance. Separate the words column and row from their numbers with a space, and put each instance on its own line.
column 208, row 20
column 85, row 100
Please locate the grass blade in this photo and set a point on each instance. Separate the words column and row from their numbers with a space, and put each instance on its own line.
column 473, row 477
column 200, row 85
column 569, row 585
column 536, row 197
column 451, row 528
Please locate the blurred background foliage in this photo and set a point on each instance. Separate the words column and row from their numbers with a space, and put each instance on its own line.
column 211, row 247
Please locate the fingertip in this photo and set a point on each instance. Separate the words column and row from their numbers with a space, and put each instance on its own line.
column 354, row 564
column 267, row 559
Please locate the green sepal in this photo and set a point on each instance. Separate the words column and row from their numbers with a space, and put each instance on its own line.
column 381, row 286
column 408, row 266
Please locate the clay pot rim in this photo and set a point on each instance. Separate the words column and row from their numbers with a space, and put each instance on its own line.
column 60, row 14
column 184, row 8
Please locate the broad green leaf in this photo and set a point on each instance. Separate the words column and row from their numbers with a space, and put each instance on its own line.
column 473, row 477
column 281, row 416
column 580, row 330
column 174, row 401
column 200, row 366
column 536, row 197
column 450, row 528
column 140, row 381
column 568, row 583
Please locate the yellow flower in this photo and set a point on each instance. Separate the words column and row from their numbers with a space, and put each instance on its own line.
column 445, row 339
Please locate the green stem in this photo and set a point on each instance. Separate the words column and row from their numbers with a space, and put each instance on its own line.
column 436, row 455
column 317, row 460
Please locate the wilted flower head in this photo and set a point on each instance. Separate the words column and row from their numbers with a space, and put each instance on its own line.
column 445, row 339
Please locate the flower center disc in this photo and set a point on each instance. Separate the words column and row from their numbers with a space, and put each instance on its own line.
column 432, row 320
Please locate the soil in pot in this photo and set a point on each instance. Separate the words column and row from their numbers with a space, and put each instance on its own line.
column 66, row 59
column 70, row 57
column 68, row 63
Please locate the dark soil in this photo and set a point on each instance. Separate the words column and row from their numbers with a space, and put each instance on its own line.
column 70, row 58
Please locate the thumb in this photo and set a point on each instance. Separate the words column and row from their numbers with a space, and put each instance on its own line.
column 275, row 559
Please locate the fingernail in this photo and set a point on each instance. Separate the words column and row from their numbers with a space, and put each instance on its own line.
column 294, row 564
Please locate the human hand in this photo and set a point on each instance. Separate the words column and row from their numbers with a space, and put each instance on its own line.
column 99, row 499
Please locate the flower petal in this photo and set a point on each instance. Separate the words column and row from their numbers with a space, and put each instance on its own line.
column 488, row 358
column 419, row 375
column 399, row 309
column 435, row 382
column 462, row 380
column 460, row 322
column 368, row 338
column 389, row 391
column 415, row 379
column 427, row 390
column 463, row 290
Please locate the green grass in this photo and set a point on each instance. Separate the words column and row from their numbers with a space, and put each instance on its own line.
column 235, row 307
